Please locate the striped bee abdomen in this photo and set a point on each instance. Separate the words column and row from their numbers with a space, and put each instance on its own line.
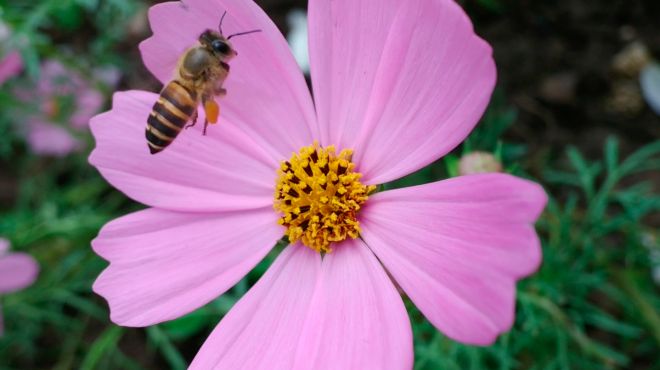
column 174, row 107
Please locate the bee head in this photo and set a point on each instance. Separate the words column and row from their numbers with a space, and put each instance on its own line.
column 217, row 44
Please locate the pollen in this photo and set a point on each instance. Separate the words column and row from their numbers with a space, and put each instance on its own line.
column 319, row 194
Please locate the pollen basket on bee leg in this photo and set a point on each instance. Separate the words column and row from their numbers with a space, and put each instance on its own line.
column 212, row 111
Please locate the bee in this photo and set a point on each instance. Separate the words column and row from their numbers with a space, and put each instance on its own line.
column 199, row 78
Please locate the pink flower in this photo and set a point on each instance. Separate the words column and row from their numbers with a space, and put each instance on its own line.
column 10, row 65
column 17, row 271
column 67, row 102
column 49, row 139
column 399, row 83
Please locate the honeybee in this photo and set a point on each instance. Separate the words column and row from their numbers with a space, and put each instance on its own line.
column 199, row 77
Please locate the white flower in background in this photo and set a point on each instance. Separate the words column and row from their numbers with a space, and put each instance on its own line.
column 649, row 79
column 297, row 38
column 650, row 241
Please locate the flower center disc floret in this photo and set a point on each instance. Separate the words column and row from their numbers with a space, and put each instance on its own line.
column 319, row 195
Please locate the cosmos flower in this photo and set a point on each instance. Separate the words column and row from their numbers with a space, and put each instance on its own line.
column 10, row 65
column 396, row 85
column 66, row 102
column 11, row 62
column 17, row 271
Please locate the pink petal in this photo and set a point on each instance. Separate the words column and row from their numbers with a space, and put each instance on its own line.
column 357, row 320
column 224, row 170
column 166, row 264
column 4, row 246
column 88, row 102
column 263, row 329
column 58, row 80
column 110, row 76
column 17, row 271
column 401, row 82
column 341, row 314
column 267, row 98
column 457, row 247
column 10, row 66
column 50, row 139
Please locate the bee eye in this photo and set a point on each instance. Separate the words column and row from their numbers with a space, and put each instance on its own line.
column 220, row 46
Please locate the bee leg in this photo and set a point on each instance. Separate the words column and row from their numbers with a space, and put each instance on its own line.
column 206, row 123
column 195, row 116
column 220, row 91
column 194, row 119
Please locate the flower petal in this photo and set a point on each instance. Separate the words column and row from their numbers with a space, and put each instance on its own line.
column 343, row 313
column 456, row 247
column 263, row 329
column 223, row 170
column 649, row 80
column 89, row 101
column 4, row 246
column 358, row 320
column 47, row 138
column 17, row 271
column 267, row 94
column 401, row 82
column 165, row 264
column 10, row 65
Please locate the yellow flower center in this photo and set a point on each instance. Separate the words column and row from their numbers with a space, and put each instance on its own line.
column 319, row 195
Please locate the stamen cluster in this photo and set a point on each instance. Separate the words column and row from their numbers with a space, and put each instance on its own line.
column 319, row 195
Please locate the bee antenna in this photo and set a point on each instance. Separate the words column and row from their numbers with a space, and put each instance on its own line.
column 242, row 33
column 221, row 19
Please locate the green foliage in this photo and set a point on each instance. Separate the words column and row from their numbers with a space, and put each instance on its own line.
column 492, row 5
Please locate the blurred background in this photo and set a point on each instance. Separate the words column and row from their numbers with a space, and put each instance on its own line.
column 576, row 108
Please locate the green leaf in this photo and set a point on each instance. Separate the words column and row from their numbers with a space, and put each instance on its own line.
column 101, row 346
column 451, row 163
column 163, row 343
column 188, row 325
column 611, row 154
column 611, row 325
